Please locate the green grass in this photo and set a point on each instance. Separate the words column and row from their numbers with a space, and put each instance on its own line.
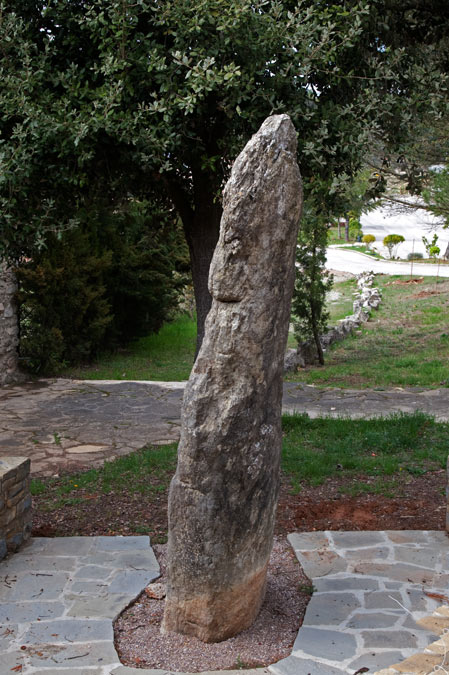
column 313, row 451
column 147, row 472
column 165, row 356
column 317, row 449
column 405, row 343
column 342, row 306
column 362, row 248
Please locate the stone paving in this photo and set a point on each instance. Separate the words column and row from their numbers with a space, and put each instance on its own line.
column 60, row 596
column 68, row 425
column 371, row 590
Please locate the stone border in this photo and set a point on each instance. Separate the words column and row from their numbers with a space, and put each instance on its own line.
column 367, row 299
column 15, row 503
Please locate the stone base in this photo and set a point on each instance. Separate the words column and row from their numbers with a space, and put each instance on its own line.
column 217, row 616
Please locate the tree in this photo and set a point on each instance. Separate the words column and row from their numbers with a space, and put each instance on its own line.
column 310, row 316
column 98, row 286
column 118, row 98
column 368, row 239
column 392, row 241
column 436, row 194
column 431, row 246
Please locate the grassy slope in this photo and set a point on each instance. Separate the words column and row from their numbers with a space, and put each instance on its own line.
column 405, row 343
column 165, row 356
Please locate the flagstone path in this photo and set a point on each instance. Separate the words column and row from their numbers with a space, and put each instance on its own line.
column 60, row 596
column 68, row 424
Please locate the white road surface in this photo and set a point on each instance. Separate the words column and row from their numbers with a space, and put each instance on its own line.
column 412, row 225
column 351, row 261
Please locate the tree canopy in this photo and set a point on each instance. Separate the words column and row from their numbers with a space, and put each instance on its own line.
column 102, row 100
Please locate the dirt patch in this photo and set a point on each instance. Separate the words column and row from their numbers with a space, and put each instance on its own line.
column 405, row 282
column 140, row 643
column 417, row 502
column 425, row 294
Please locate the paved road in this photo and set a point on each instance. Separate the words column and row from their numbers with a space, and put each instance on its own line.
column 351, row 261
column 65, row 425
column 412, row 225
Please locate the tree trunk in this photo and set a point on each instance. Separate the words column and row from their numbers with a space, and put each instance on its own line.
column 9, row 326
column 316, row 335
column 202, row 237
column 201, row 223
column 347, row 230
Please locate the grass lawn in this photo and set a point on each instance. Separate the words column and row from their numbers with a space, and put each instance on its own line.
column 405, row 343
column 165, row 356
column 364, row 456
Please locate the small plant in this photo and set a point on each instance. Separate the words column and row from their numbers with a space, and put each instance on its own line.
column 307, row 589
column 391, row 242
column 415, row 256
column 57, row 438
column 433, row 251
column 240, row 664
column 368, row 239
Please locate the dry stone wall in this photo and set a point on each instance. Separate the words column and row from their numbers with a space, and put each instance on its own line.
column 15, row 503
column 368, row 298
column 9, row 327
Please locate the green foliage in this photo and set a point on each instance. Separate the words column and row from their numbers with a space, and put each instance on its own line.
column 436, row 195
column 355, row 229
column 96, row 286
column 368, row 239
column 64, row 311
column 415, row 256
column 111, row 99
column 391, row 241
column 433, row 251
column 312, row 282
column 99, row 96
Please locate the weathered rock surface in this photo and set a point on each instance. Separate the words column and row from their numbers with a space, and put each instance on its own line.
column 9, row 327
column 223, row 497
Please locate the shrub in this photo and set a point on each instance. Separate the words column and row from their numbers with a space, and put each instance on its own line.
column 98, row 286
column 368, row 239
column 355, row 229
column 415, row 256
column 312, row 283
column 391, row 242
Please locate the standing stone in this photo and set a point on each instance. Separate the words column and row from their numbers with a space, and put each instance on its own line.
column 9, row 326
column 223, row 497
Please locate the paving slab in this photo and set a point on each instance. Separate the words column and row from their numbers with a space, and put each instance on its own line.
column 384, row 589
column 70, row 425
column 354, row 620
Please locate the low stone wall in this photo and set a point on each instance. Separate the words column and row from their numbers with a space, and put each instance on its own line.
column 367, row 299
column 15, row 503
